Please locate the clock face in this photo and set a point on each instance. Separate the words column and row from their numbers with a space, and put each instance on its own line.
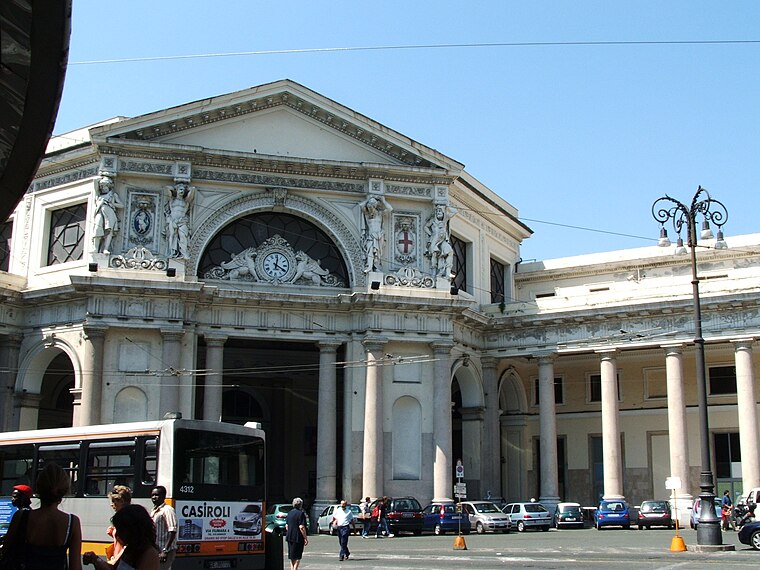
column 276, row 265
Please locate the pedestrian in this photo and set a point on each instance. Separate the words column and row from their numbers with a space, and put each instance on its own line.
column 21, row 497
column 165, row 520
column 382, row 520
column 136, row 530
column 725, row 511
column 342, row 520
column 45, row 538
column 295, row 533
column 366, row 512
column 120, row 497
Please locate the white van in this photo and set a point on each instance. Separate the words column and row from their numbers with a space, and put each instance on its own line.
column 752, row 497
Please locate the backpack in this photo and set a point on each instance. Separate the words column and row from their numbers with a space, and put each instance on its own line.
column 376, row 511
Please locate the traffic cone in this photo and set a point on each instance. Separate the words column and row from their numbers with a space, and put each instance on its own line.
column 677, row 544
column 459, row 543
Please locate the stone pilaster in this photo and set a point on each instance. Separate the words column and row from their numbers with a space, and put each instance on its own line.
column 212, row 392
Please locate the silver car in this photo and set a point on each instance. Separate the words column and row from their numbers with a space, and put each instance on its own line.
column 528, row 515
column 486, row 516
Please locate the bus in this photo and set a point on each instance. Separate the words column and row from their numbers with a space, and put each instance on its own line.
column 214, row 474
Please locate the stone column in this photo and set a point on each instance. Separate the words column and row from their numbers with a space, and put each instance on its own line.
column 490, row 480
column 372, row 463
column 747, row 411
column 443, row 478
column 212, row 392
column 548, row 436
column 677, row 431
column 10, row 346
column 92, row 376
column 327, row 421
column 613, row 460
column 171, row 362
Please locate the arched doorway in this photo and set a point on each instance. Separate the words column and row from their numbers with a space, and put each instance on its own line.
column 467, row 417
column 56, row 407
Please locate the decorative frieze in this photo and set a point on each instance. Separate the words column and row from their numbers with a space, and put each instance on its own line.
column 67, row 178
column 138, row 258
column 409, row 191
column 269, row 180
column 146, row 167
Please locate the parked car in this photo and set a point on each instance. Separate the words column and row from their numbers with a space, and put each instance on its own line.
column 528, row 515
column 695, row 508
column 444, row 517
column 486, row 516
column 404, row 515
column 276, row 516
column 655, row 513
column 568, row 515
column 325, row 519
column 612, row 513
column 750, row 534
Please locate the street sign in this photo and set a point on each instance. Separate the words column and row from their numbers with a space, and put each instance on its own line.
column 460, row 469
column 672, row 483
column 460, row 490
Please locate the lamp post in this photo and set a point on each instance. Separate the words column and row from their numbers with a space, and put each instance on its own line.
column 710, row 210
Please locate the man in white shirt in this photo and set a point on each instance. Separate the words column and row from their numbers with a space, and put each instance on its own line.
column 342, row 519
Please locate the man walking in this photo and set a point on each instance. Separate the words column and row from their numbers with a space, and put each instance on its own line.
column 366, row 511
column 342, row 519
column 165, row 520
column 295, row 533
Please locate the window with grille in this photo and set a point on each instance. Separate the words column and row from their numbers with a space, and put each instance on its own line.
column 460, row 262
column 497, row 281
column 66, row 234
column 6, row 228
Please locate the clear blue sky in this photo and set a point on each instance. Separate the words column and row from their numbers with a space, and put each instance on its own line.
column 583, row 135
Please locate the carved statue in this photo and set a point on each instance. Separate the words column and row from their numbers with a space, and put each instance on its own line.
column 241, row 265
column 310, row 269
column 105, row 220
column 177, row 215
column 374, row 208
column 439, row 246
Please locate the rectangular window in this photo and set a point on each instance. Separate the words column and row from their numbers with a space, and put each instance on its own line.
column 722, row 380
column 656, row 383
column 6, row 229
column 595, row 387
column 727, row 454
column 67, row 228
column 459, row 268
column 497, row 281
column 108, row 464
column 559, row 394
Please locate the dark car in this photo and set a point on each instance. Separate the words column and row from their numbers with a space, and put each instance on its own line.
column 612, row 513
column 404, row 515
column 750, row 534
column 444, row 517
column 568, row 515
column 655, row 513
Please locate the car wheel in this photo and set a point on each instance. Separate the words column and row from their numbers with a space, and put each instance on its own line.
column 627, row 527
column 505, row 530
column 754, row 540
column 438, row 529
column 418, row 532
column 480, row 528
column 692, row 525
column 545, row 528
column 521, row 527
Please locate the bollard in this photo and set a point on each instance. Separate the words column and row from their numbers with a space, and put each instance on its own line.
column 459, row 543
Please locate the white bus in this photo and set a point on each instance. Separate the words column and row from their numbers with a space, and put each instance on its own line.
column 214, row 474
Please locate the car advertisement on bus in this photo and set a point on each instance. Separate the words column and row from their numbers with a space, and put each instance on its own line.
column 208, row 521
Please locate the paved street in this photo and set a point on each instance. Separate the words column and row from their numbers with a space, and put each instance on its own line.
column 587, row 548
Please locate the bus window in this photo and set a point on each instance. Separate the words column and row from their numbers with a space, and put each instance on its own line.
column 109, row 463
column 150, row 461
column 16, row 467
column 218, row 466
column 66, row 456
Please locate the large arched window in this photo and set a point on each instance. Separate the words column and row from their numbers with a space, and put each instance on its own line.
column 255, row 229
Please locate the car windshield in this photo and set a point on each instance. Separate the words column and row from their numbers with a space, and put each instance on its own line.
column 535, row 508
column 487, row 508
column 654, row 507
column 612, row 506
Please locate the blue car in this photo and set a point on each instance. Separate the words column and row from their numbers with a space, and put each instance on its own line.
column 694, row 518
column 750, row 534
column 441, row 518
column 612, row 513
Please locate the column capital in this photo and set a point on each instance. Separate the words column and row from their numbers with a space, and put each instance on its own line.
column 475, row 413
column 442, row 346
column 673, row 348
column 172, row 334
column 608, row 353
column 92, row 332
column 743, row 343
column 545, row 357
column 489, row 362
column 11, row 340
column 213, row 339
column 329, row 345
column 374, row 342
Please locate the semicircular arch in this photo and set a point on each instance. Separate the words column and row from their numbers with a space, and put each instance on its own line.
column 470, row 385
column 512, row 397
column 336, row 228
column 34, row 364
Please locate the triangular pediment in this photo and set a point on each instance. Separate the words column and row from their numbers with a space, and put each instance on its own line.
column 281, row 119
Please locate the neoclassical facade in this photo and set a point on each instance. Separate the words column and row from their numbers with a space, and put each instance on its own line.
column 271, row 255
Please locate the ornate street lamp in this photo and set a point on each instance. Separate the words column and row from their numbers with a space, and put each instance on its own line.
column 709, row 210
